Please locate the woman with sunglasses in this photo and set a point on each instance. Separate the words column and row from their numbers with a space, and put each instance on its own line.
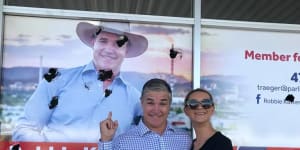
column 199, row 107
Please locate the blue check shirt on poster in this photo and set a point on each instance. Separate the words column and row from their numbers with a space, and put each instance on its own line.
column 81, row 106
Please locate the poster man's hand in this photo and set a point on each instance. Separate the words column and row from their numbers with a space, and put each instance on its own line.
column 108, row 128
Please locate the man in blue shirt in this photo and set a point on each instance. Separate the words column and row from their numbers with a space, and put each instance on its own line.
column 153, row 132
column 70, row 103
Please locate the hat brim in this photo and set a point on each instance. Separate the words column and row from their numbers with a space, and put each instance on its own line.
column 137, row 44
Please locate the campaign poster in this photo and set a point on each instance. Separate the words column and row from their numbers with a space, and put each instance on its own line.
column 32, row 45
column 254, row 77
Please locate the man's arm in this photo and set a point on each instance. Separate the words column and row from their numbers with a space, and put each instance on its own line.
column 108, row 128
column 36, row 115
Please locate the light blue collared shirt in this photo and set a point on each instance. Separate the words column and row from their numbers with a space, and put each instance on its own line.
column 142, row 138
column 81, row 106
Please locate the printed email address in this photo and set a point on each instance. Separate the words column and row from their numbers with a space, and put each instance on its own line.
column 278, row 88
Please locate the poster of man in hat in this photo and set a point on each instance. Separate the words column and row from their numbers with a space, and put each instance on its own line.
column 75, row 72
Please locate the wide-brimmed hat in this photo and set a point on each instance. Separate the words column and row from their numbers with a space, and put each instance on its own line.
column 137, row 44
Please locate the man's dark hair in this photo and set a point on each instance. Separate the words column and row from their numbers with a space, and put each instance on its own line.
column 157, row 85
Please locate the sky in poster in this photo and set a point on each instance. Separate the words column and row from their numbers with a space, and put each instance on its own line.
column 28, row 39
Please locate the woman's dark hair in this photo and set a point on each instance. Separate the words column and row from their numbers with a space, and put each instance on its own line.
column 197, row 90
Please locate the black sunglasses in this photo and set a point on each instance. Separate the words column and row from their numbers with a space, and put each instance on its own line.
column 205, row 103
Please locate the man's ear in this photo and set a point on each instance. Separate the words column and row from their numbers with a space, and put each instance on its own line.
column 93, row 42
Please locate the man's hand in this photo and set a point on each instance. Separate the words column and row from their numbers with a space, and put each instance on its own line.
column 108, row 128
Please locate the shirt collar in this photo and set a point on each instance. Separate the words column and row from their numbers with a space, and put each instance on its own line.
column 90, row 67
column 143, row 129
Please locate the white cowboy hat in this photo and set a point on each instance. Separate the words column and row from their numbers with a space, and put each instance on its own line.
column 137, row 44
